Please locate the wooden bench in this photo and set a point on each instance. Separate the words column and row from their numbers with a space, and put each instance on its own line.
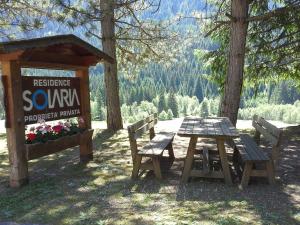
column 252, row 156
column 153, row 150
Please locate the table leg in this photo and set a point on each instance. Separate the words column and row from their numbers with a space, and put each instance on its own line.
column 189, row 160
column 224, row 161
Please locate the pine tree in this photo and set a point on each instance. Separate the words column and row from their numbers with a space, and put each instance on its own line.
column 99, row 103
column 163, row 115
column 172, row 104
column 170, row 114
column 114, row 117
column 161, row 102
column 204, row 108
column 198, row 92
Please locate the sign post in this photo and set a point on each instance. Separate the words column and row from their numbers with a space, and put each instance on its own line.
column 29, row 99
column 86, row 152
column 15, row 131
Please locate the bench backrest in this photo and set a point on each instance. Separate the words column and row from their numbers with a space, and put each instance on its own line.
column 139, row 128
column 270, row 132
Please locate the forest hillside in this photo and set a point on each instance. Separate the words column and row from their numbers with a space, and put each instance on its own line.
column 182, row 86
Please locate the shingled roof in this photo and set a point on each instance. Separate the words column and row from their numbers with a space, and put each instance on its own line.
column 60, row 45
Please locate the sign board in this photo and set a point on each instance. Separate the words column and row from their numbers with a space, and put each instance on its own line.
column 50, row 98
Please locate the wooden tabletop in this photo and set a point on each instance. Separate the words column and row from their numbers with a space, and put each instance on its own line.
column 207, row 127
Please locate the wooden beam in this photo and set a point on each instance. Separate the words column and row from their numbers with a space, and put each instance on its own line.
column 69, row 59
column 53, row 66
column 138, row 133
column 11, row 56
column 224, row 160
column 141, row 123
column 211, row 174
column 206, row 166
column 5, row 101
column 86, row 149
column 16, row 131
column 189, row 160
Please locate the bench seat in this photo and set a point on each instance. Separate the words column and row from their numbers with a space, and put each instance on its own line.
column 157, row 145
column 256, row 162
column 249, row 150
column 153, row 150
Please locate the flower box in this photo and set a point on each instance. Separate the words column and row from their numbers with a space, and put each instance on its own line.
column 38, row 150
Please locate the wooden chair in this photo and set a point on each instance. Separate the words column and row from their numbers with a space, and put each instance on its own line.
column 153, row 150
column 247, row 150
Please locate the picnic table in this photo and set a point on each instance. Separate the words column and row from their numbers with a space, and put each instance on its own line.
column 218, row 128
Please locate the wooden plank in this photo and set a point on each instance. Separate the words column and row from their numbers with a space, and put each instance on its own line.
column 206, row 165
column 224, row 161
column 249, row 150
column 210, row 174
column 189, row 160
column 148, row 165
column 183, row 126
column 190, row 123
column 15, row 132
column 157, row 145
column 227, row 128
column 199, row 128
column 5, row 101
column 246, row 175
column 156, row 167
column 139, row 132
column 38, row 150
column 136, row 166
column 133, row 144
column 255, row 152
column 209, row 127
column 218, row 129
column 232, row 128
column 239, row 145
column 270, row 138
column 45, row 65
column 269, row 131
column 271, row 173
column 68, row 59
column 268, row 126
column 259, row 173
column 152, row 132
column 139, row 124
column 86, row 148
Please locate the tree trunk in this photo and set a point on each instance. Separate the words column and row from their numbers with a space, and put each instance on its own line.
column 234, row 79
column 114, row 119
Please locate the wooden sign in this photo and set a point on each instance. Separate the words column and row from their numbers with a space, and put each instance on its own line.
column 50, row 98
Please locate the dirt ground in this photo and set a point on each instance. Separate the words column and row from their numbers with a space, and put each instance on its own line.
column 62, row 191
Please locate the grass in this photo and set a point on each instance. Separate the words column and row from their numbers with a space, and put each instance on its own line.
column 62, row 191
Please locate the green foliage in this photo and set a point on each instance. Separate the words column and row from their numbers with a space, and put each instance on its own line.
column 161, row 103
column 198, row 91
column 163, row 115
column 272, row 53
column 170, row 114
column 19, row 17
column 99, row 105
column 288, row 113
column 204, row 111
column 172, row 104
column 136, row 111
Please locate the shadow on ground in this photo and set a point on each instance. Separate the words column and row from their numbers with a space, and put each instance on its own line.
column 62, row 191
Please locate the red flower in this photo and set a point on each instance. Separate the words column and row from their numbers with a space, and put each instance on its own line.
column 31, row 136
column 57, row 128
